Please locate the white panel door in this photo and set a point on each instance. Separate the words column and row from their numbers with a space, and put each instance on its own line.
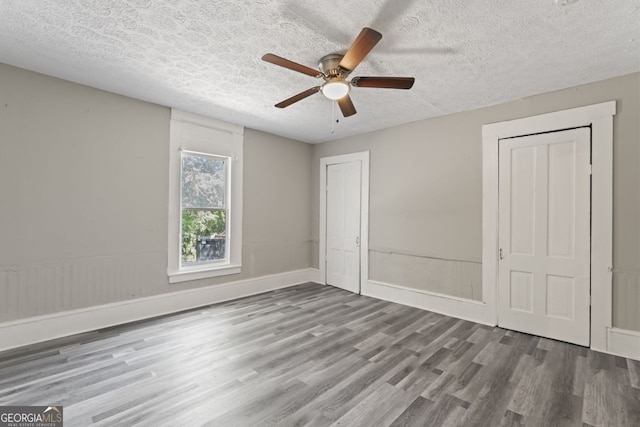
column 343, row 225
column 544, row 235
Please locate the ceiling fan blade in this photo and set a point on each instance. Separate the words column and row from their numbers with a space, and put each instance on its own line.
column 362, row 45
column 383, row 82
column 298, row 97
column 346, row 106
column 278, row 60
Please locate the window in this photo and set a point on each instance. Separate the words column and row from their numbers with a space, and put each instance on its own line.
column 204, row 211
column 205, row 198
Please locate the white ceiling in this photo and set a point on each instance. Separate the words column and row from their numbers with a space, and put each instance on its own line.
column 204, row 56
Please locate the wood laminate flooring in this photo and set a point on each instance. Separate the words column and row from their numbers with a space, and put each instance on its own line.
column 319, row 356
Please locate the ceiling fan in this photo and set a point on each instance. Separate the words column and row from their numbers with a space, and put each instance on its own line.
column 335, row 68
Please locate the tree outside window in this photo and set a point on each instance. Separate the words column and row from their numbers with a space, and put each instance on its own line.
column 204, row 209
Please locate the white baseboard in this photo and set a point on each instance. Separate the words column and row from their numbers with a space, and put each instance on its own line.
column 43, row 328
column 32, row 330
column 461, row 308
column 315, row 276
column 623, row 342
column 620, row 342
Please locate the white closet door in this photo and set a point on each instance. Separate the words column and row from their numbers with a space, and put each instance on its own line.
column 343, row 225
column 544, row 240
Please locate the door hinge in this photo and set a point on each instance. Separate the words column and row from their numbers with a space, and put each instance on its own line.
column 590, row 169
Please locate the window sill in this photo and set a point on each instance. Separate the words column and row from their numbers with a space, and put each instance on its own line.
column 187, row 275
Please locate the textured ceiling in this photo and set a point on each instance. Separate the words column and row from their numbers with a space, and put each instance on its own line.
column 204, row 56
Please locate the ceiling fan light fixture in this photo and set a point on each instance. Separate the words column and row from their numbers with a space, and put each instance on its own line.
column 335, row 68
column 335, row 89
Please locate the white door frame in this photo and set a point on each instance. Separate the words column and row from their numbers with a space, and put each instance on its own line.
column 363, row 157
column 600, row 118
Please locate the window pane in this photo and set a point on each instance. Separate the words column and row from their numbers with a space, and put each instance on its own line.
column 203, row 182
column 203, row 236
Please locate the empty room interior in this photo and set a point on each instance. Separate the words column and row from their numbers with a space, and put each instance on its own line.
column 362, row 213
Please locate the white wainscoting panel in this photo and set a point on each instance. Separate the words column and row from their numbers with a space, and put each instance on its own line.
column 44, row 287
column 420, row 271
column 316, row 277
column 461, row 308
column 623, row 342
column 42, row 328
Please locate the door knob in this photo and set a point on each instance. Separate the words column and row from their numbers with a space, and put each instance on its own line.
column 358, row 240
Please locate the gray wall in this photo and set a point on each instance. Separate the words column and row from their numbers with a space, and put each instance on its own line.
column 426, row 194
column 84, row 183
column 84, row 193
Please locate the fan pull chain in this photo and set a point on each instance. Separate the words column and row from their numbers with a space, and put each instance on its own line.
column 333, row 117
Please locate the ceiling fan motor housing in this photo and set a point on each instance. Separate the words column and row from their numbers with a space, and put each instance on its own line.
column 334, row 70
column 329, row 65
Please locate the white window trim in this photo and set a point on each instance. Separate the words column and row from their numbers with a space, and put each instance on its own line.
column 234, row 151
column 600, row 118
